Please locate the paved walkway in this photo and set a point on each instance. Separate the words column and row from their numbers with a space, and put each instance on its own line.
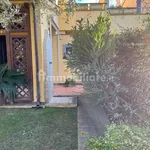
column 61, row 90
column 92, row 120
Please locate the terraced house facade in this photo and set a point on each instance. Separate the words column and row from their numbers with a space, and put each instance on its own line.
column 41, row 48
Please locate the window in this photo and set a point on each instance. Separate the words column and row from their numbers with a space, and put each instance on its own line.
column 114, row 3
column 67, row 51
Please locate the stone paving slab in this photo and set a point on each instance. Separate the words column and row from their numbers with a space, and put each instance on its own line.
column 62, row 102
column 92, row 121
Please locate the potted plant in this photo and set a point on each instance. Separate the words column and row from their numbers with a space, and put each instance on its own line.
column 8, row 81
column 69, row 82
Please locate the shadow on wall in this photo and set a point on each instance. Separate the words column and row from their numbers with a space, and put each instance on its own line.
column 47, row 46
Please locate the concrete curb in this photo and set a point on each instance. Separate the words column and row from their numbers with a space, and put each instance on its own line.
column 61, row 106
column 17, row 106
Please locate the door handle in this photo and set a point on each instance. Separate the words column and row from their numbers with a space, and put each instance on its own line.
column 50, row 62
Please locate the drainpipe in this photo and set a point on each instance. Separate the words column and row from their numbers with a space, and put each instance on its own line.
column 139, row 6
column 58, row 47
column 37, row 60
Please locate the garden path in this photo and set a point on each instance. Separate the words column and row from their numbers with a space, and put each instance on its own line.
column 92, row 120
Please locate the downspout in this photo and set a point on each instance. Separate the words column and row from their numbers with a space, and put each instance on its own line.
column 37, row 60
column 58, row 47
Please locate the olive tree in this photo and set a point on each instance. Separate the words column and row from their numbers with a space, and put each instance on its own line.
column 10, row 13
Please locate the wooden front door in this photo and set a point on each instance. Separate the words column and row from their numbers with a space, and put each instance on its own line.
column 20, row 54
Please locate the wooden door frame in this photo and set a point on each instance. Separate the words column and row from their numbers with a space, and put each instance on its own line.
column 27, row 34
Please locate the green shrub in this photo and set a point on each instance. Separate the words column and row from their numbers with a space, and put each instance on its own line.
column 8, row 81
column 69, row 82
column 121, row 137
column 114, row 68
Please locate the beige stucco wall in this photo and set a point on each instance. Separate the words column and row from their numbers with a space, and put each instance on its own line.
column 127, row 21
column 55, row 55
column 91, row 15
column 132, row 3
column 129, row 3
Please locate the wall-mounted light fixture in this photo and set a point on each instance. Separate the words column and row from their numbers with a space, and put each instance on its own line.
column 2, row 31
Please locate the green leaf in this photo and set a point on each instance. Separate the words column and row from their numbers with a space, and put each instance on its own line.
column 8, row 81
